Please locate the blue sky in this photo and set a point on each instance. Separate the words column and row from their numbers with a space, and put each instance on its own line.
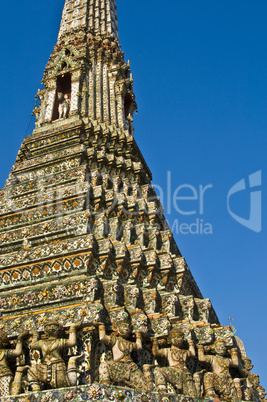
column 200, row 80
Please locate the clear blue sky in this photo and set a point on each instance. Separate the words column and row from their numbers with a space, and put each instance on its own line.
column 200, row 80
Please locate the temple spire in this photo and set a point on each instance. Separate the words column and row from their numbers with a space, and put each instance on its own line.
column 84, row 245
column 86, row 76
column 98, row 16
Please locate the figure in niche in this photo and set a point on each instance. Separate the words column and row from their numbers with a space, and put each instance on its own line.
column 64, row 105
column 177, row 374
column 219, row 382
column 122, row 369
column 7, row 387
column 52, row 371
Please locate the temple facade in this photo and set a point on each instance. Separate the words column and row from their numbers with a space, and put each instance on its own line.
column 96, row 300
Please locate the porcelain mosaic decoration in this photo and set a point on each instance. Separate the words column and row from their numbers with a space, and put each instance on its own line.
column 97, row 302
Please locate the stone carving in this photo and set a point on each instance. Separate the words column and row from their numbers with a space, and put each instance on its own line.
column 52, row 370
column 39, row 111
column 36, row 112
column 248, row 391
column 177, row 373
column 261, row 393
column 122, row 369
column 64, row 105
column 252, row 391
column 255, row 382
column 219, row 381
column 7, row 385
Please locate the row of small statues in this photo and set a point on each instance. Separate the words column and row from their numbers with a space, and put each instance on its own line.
column 122, row 369
column 52, row 371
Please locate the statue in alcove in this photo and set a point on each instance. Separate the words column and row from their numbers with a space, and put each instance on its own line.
column 52, row 371
column 64, row 105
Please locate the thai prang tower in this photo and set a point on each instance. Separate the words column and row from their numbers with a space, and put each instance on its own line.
column 96, row 300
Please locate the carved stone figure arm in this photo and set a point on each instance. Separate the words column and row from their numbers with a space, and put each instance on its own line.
column 18, row 349
column 192, row 350
column 201, row 355
column 72, row 335
column 138, row 344
column 234, row 358
column 157, row 352
column 35, row 343
column 103, row 337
